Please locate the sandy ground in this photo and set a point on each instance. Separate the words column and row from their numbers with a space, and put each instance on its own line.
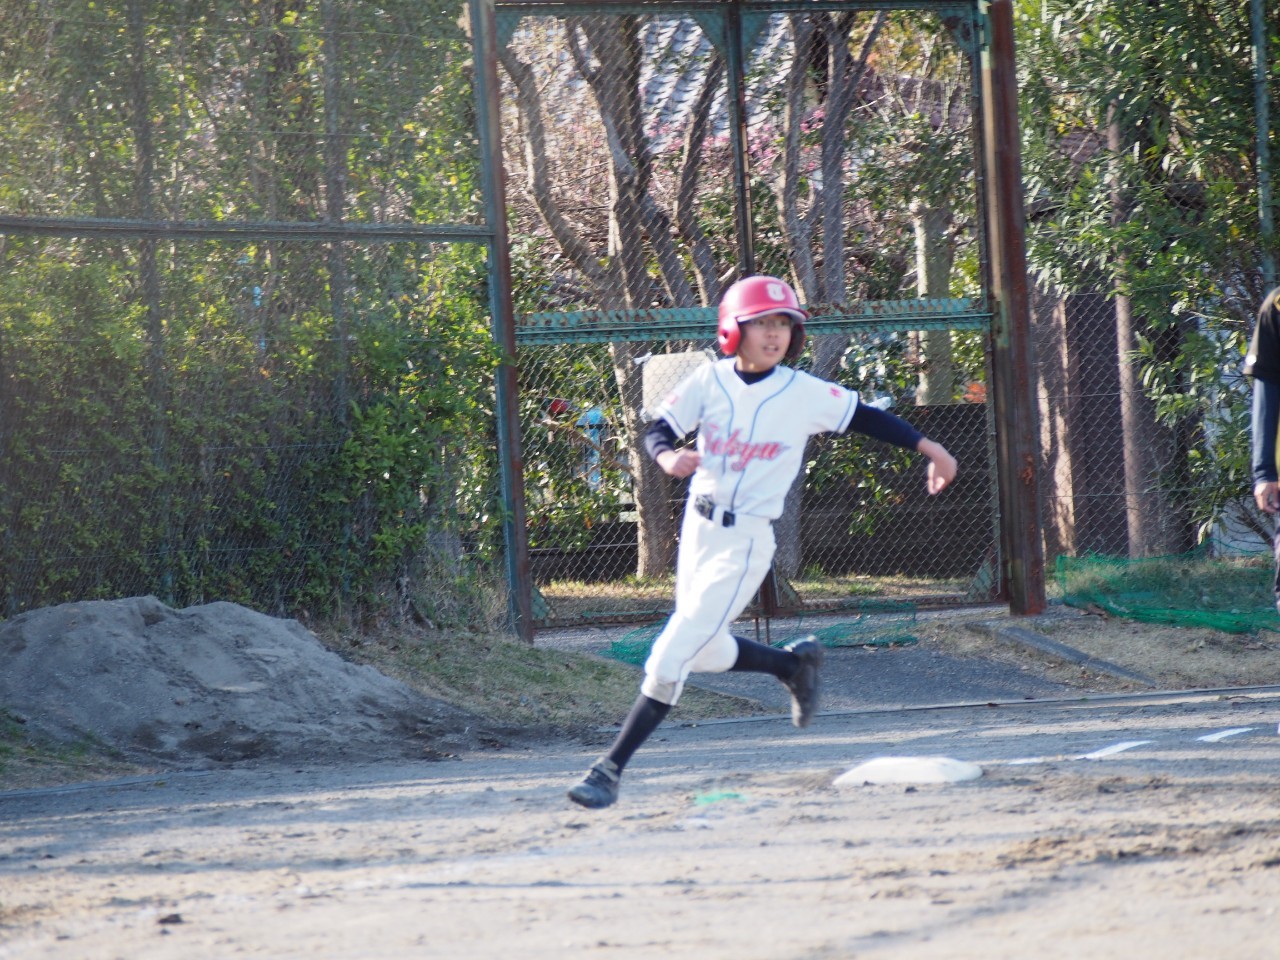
column 1101, row 828
column 210, row 685
column 303, row 814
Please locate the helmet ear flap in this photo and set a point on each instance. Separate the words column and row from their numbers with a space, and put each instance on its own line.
column 729, row 335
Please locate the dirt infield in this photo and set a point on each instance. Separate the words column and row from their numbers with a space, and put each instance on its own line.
column 730, row 841
column 291, row 803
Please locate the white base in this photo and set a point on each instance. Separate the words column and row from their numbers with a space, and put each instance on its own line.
column 909, row 770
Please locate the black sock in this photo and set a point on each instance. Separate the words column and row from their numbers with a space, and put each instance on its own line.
column 643, row 719
column 756, row 657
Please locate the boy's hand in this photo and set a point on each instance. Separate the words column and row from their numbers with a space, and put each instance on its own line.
column 679, row 463
column 1267, row 495
column 942, row 465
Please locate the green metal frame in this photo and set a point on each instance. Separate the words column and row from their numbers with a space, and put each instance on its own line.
column 694, row 323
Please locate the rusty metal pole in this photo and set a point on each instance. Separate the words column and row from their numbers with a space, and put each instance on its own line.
column 1013, row 385
column 484, row 37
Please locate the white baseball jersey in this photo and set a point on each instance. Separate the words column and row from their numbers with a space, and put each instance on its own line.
column 752, row 437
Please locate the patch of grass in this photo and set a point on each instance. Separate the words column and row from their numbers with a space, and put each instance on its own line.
column 570, row 601
column 28, row 762
column 816, row 586
column 516, row 684
column 637, row 601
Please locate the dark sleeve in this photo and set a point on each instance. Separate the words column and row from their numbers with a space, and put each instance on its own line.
column 885, row 426
column 659, row 437
column 1266, row 424
column 1263, row 360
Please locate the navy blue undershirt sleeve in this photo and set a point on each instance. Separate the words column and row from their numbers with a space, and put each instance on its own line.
column 659, row 437
column 886, row 426
column 1266, row 424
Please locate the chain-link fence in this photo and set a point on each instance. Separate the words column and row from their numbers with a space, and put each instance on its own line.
column 868, row 531
column 1153, row 254
column 654, row 156
column 246, row 308
column 1128, row 476
column 224, row 304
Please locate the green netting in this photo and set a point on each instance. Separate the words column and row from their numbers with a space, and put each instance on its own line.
column 886, row 623
column 634, row 647
column 1233, row 594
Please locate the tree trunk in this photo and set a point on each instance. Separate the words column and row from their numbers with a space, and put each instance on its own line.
column 828, row 284
column 934, row 256
column 1151, row 449
column 655, row 522
column 636, row 227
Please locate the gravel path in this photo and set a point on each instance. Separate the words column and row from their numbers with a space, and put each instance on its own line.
column 855, row 677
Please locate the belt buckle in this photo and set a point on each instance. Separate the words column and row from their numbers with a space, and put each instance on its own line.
column 706, row 507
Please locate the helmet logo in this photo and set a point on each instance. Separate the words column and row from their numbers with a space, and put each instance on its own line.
column 776, row 292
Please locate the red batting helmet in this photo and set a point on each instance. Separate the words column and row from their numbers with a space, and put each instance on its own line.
column 759, row 296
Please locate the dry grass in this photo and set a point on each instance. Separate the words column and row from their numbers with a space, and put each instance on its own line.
column 1175, row 657
column 515, row 684
column 572, row 602
column 27, row 763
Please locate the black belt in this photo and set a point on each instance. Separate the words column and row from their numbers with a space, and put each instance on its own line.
column 706, row 507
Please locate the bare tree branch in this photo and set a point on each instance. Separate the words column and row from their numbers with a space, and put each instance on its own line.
column 684, row 212
column 797, row 229
column 616, row 87
column 845, row 74
column 529, row 102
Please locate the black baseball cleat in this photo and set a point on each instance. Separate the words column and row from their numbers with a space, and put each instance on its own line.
column 600, row 786
column 804, row 683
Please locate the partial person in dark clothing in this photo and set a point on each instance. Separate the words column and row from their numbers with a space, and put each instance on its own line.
column 1263, row 364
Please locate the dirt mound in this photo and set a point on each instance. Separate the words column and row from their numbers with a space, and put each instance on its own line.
column 210, row 684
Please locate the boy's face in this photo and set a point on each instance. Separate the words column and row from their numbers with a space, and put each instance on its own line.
column 764, row 342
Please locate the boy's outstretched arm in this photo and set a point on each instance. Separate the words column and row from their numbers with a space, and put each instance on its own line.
column 942, row 465
column 891, row 428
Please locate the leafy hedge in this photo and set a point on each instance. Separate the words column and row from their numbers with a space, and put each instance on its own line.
column 203, row 457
